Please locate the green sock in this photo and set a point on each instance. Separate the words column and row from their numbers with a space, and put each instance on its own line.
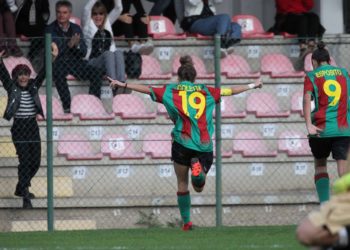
column 322, row 186
column 184, row 203
column 199, row 180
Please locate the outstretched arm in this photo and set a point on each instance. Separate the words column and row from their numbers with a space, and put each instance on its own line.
column 234, row 90
column 133, row 86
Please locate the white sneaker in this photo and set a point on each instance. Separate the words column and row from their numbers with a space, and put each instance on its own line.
column 223, row 53
column 230, row 50
column 136, row 47
column 146, row 48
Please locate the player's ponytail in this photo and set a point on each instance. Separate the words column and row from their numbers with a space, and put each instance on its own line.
column 186, row 71
column 321, row 54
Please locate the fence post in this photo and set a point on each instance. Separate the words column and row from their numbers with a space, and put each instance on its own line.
column 218, row 134
column 48, row 70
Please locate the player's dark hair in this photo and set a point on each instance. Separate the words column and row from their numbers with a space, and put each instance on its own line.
column 321, row 54
column 186, row 71
column 64, row 3
column 20, row 69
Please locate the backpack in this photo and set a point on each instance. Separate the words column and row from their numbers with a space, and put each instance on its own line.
column 133, row 64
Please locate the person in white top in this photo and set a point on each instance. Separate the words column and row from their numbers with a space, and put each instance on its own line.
column 101, row 49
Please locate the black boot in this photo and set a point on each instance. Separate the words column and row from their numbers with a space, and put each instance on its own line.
column 27, row 203
column 24, row 192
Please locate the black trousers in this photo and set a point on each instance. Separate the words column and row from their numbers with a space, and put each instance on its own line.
column 136, row 28
column 26, row 138
column 306, row 25
column 79, row 69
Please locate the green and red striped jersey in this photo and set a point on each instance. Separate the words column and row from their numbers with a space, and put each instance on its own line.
column 190, row 107
column 329, row 86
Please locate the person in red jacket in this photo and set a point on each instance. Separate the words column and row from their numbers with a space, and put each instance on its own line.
column 295, row 17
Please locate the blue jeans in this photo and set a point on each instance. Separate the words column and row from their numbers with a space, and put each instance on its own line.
column 209, row 26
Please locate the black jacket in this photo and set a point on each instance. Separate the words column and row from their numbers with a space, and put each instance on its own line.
column 14, row 92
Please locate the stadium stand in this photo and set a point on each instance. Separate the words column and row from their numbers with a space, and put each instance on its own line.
column 296, row 103
column 131, row 106
column 235, row 66
column 89, row 107
column 118, row 146
column 7, row 149
column 251, row 27
column 202, row 72
column 77, row 147
column 228, row 109
column 76, row 20
column 157, row 145
column 151, row 69
column 11, row 62
column 160, row 27
column 308, row 63
column 279, row 66
column 57, row 110
column 294, row 143
column 265, row 105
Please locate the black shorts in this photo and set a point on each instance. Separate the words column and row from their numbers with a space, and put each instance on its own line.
column 183, row 156
column 321, row 147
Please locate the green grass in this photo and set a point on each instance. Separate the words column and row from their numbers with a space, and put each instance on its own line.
column 235, row 238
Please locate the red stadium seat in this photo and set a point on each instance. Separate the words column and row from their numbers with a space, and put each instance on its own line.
column 160, row 27
column 75, row 20
column 251, row 27
column 130, row 106
column 11, row 62
column 89, row 107
column 57, row 110
column 198, row 64
column 294, row 144
column 279, row 66
column 308, row 63
column 119, row 147
column 235, row 66
column 151, row 69
column 251, row 144
column 77, row 147
column 157, row 145
column 297, row 103
column 228, row 109
column 264, row 105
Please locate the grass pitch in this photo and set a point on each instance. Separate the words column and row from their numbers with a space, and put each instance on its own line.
column 235, row 238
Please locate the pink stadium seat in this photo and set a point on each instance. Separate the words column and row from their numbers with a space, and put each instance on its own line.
column 251, row 27
column 224, row 154
column 235, row 66
column 294, row 144
column 57, row 110
column 198, row 64
column 228, row 109
column 119, row 147
column 151, row 69
column 264, row 105
column 297, row 103
column 77, row 147
column 308, row 63
column 288, row 35
column 89, row 107
column 130, row 106
column 160, row 27
column 251, row 144
column 11, row 62
column 279, row 65
column 75, row 20
column 157, row 145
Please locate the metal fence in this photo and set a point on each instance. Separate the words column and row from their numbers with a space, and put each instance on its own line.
column 111, row 151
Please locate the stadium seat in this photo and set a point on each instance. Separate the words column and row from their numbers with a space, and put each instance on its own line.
column 224, row 153
column 264, row 105
column 75, row 20
column 77, row 147
column 198, row 64
column 151, row 69
column 57, row 110
column 297, row 103
column 251, row 144
column 279, row 66
column 130, row 106
column 3, row 104
column 160, row 27
column 89, row 107
column 11, row 62
column 7, row 148
column 308, row 63
column 157, row 145
column 119, row 147
column 251, row 27
column 235, row 66
column 294, row 144
column 228, row 109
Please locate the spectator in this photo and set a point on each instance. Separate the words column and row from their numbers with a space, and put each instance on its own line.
column 172, row 9
column 328, row 125
column 23, row 105
column 101, row 50
column 295, row 17
column 134, row 27
column 8, row 42
column 201, row 18
column 329, row 227
column 31, row 19
column 72, row 50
